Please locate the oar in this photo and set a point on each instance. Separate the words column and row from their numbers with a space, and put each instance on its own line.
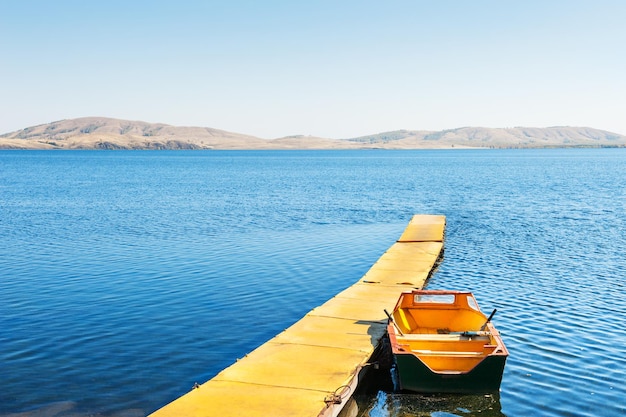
column 488, row 319
column 394, row 323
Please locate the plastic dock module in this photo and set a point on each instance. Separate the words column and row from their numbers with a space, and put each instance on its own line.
column 313, row 367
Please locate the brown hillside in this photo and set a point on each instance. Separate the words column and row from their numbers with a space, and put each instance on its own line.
column 106, row 133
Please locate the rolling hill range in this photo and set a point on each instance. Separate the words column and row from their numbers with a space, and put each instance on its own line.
column 107, row 133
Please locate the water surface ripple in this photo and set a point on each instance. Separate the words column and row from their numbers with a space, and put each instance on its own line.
column 123, row 274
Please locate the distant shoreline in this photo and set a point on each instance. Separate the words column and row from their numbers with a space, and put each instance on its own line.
column 99, row 133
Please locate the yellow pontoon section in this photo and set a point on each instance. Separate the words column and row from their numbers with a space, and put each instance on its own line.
column 312, row 368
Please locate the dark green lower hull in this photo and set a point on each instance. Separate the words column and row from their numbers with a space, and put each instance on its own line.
column 414, row 375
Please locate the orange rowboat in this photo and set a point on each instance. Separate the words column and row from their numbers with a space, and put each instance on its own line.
column 442, row 342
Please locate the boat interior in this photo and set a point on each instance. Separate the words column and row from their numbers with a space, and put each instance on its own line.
column 447, row 332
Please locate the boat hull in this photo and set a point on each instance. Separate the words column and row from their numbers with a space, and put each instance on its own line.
column 414, row 375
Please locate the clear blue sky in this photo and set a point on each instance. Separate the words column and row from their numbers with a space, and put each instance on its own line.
column 325, row 68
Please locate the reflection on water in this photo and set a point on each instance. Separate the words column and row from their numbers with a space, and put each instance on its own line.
column 415, row 405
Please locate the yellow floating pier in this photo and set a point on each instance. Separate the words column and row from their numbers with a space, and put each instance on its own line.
column 313, row 367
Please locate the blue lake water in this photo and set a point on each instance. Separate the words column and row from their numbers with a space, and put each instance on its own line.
column 122, row 274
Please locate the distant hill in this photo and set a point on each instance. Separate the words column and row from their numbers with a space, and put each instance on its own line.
column 106, row 133
column 482, row 137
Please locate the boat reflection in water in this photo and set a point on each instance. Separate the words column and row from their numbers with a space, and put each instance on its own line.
column 386, row 404
column 378, row 395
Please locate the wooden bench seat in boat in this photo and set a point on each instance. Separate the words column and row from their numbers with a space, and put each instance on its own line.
column 445, row 352
column 454, row 337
